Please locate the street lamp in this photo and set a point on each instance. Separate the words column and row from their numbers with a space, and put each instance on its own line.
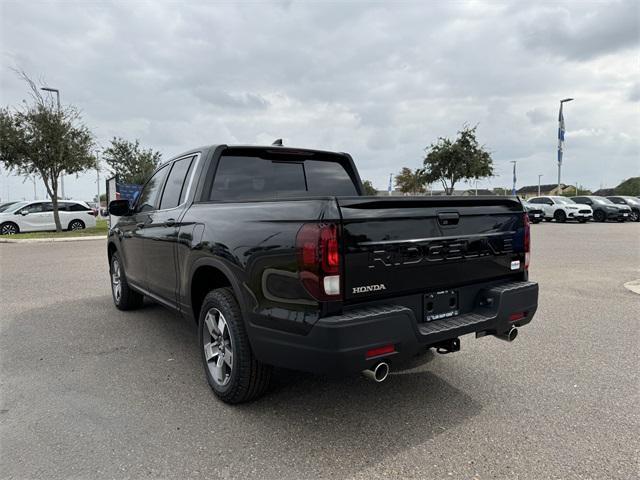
column 561, row 139
column 539, row 176
column 57, row 92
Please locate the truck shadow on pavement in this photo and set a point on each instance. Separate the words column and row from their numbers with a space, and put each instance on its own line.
column 145, row 366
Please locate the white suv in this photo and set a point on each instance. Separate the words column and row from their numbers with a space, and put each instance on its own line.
column 37, row 216
column 562, row 209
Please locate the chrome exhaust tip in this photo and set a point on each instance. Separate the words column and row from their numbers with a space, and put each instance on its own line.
column 509, row 336
column 379, row 373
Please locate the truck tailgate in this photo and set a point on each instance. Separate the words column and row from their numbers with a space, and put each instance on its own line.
column 394, row 246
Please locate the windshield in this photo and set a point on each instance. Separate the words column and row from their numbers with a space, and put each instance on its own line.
column 12, row 207
column 603, row 201
column 632, row 200
column 5, row 206
column 563, row 200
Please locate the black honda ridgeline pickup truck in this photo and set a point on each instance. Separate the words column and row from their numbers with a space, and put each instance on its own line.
column 281, row 261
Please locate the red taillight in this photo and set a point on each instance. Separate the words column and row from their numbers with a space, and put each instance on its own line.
column 527, row 241
column 319, row 260
column 376, row 352
column 514, row 317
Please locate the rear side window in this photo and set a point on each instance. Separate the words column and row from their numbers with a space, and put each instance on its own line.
column 175, row 189
column 77, row 207
column 247, row 178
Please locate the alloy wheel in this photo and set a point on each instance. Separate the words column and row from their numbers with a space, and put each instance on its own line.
column 116, row 283
column 9, row 229
column 76, row 225
column 218, row 347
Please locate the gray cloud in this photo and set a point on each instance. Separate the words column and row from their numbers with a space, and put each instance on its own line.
column 582, row 31
column 381, row 81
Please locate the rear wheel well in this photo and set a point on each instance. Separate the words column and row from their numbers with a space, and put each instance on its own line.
column 205, row 279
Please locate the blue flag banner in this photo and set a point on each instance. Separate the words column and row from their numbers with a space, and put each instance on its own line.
column 389, row 188
column 560, row 135
column 513, row 189
column 128, row 191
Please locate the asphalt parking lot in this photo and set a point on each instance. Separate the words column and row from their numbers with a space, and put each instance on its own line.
column 88, row 391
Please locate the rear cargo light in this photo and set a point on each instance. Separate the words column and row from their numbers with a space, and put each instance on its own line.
column 319, row 260
column 527, row 241
column 376, row 352
column 514, row 317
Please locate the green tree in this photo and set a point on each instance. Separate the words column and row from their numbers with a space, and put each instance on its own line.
column 41, row 139
column 410, row 181
column 452, row 161
column 630, row 186
column 572, row 191
column 129, row 162
column 369, row 189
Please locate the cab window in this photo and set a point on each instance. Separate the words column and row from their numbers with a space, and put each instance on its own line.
column 175, row 189
column 148, row 199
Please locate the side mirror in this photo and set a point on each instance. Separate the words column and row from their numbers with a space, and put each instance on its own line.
column 24, row 212
column 119, row 208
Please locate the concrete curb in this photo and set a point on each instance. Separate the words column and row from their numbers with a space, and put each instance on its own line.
column 633, row 286
column 53, row 239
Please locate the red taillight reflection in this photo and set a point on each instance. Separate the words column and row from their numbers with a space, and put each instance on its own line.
column 527, row 241
column 376, row 352
column 514, row 317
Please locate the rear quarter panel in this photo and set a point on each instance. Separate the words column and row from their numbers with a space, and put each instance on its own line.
column 253, row 243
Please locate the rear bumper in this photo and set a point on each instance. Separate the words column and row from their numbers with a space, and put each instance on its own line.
column 338, row 345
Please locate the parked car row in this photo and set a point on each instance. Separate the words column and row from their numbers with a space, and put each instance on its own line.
column 583, row 208
column 37, row 216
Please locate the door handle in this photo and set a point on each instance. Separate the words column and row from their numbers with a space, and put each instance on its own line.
column 170, row 222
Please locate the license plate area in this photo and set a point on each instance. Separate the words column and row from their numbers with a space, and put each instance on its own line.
column 442, row 304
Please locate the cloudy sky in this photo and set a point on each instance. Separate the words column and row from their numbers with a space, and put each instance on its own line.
column 381, row 80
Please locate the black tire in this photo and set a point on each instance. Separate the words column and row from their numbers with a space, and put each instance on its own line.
column 9, row 228
column 635, row 216
column 246, row 378
column 76, row 225
column 559, row 216
column 125, row 298
column 599, row 216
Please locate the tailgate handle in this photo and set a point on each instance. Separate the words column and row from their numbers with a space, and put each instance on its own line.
column 448, row 218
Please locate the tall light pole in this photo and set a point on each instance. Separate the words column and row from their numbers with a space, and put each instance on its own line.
column 513, row 189
column 561, row 140
column 539, row 177
column 57, row 92
column 98, row 177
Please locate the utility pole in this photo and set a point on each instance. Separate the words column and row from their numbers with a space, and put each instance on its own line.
column 513, row 189
column 35, row 194
column 98, row 177
column 561, row 140
column 57, row 92
column 539, row 176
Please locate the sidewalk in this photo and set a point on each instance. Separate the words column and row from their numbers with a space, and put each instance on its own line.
column 8, row 239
